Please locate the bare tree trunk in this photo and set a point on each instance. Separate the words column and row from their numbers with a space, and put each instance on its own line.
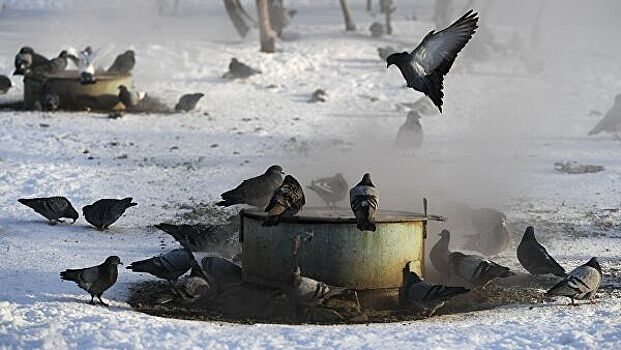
column 388, row 7
column 267, row 35
column 350, row 26
column 235, row 11
column 369, row 5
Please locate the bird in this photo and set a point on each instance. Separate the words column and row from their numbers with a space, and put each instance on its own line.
column 611, row 122
column 439, row 255
column 330, row 189
column 49, row 100
column 129, row 98
column 123, row 63
column 187, row 102
column 386, row 51
column 86, row 65
column 221, row 273
column 169, row 266
column 475, row 270
column 423, row 297
column 491, row 242
column 425, row 67
column 27, row 59
column 5, row 84
column 535, row 258
column 364, row 201
column 410, row 134
column 482, row 219
column 222, row 240
column 186, row 290
column 239, row 70
column 52, row 208
column 305, row 291
column 105, row 212
column 287, row 200
column 256, row 191
column 55, row 65
column 581, row 283
column 97, row 279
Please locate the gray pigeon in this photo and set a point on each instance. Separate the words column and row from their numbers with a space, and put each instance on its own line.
column 439, row 255
column 52, row 208
column 581, row 283
column 256, row 191
column 535, row 258
column 287, row 200
column 97, row 279
column 491, row 242
column 222, row 240
column 105, row 212
column 128, row 98
column 123, row 63
column 330, row 189
column 475, row 270
column 187, row 102
column 364, row 201
column 5, row 84
column 483, row 219
column 26, row 60
column 169, row 266
column 612, row 120
column 49, row 100
column 55, row 65
column 239, row 70
column 305, row 291
column 423, row 297
column 425, row 67
column 221, row 273
column 187, row 290
column 410, row 134
column 386, row 51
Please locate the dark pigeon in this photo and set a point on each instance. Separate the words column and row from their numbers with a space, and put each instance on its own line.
column 410, row 134
column 439, row 255
column 582, row 283
column 27, row 60
column 239, row 70
column 423, row 297
column 611, row 122
column 55, row 65
column 5, row 84
column 49, row 100
column 318, row 95
column 169, row 266
column 425, row 67
column 97, row 279
column 128, row 98
column 187, row 102
column 330, row 189
column 221, row 273
column 221, row 240
column 475, row 270
column 256, row 191
column 105, row 212
column 364, row 201
column 491, row 242
column 187, row 290
column 123, row 63
column 287, row 200
column 305, row 291
column 52, row 208
column 535, row 258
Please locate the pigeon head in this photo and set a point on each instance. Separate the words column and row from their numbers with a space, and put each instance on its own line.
column 290, row 180
column 63, row 54
column 130, row 53
column 413, row 116
column 275, row 169
column 88, row 50
column 445, row 234
column 113, row 260
column 366, row 180
column 72, row 214
column 594, row 264
column 122, row 88
column 27, row 49
column 529, row 235
column 339, row 176
column 396, row 58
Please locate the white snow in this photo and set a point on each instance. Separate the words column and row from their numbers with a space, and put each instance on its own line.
column 494, row 146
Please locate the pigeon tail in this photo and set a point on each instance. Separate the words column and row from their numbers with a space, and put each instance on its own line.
column 445, row 293
column 226, row 203
column 365, row 220
column 434, row 83
column 271, row 220
column 70, row 275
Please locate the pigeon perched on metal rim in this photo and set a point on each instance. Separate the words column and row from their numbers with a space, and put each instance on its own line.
column 55, row 65
column 581, row 283
column 123, row 63
column 364, row 202
column 27, row 59
column 105, row 212
column 187, row 102
column 256, row 191
column 97, row 279
column 425, row 67
column 169, row 266
column 611, row 122
column 330, row 189
column 475, row 270
column 439, row 255
column 535, row 258
column 287, row 200
column 52, row 208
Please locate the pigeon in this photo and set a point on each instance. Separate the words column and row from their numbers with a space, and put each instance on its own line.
column 423, row 297
column 97, row 279
column 305, row 291
column 52, row 208
column 5, row 84
column 386, row 51
column 129, row 98
column 105, row 212
column 491, row 242
column 581, row 283
column 169, row 266
column 439, row 255
column 222, row 240
column 239, row 70
column 123, row 63
column 422, row 106
column 86, row 65
column 330, row 189
column 187, row 290
column 483, row 219
column 364, row 200
column 55, row 65
column 410, row 134
column 377, row 29
column 425, row 67
column 535, row 258
column 187, row 102
column 318, row 95
column 49, row 100
column 611, row 122
column 475, row 270
column 221, row 273
column 26, row 60
column 256, row 191
column 287, row 200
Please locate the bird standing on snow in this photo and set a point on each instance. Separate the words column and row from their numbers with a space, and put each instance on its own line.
column 168, row 266
column 491, row 242
column 105, row 212
column 5, row 84
column 364, row 201
column 256, row 191
column 581, row 283
column 410, row 134
column 52, row 208
column 425, row 67
column 422, row 296
column 476, row 271
column 439, row 255
column 239, row 70
column 535, row 258
column 97, row 279
column 26, row 60
column 287, row 200
column 187, row 102
column 612, row 120
column 330, row 189
column 123, row 63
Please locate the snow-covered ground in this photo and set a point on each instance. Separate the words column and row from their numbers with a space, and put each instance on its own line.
column 495, row 145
